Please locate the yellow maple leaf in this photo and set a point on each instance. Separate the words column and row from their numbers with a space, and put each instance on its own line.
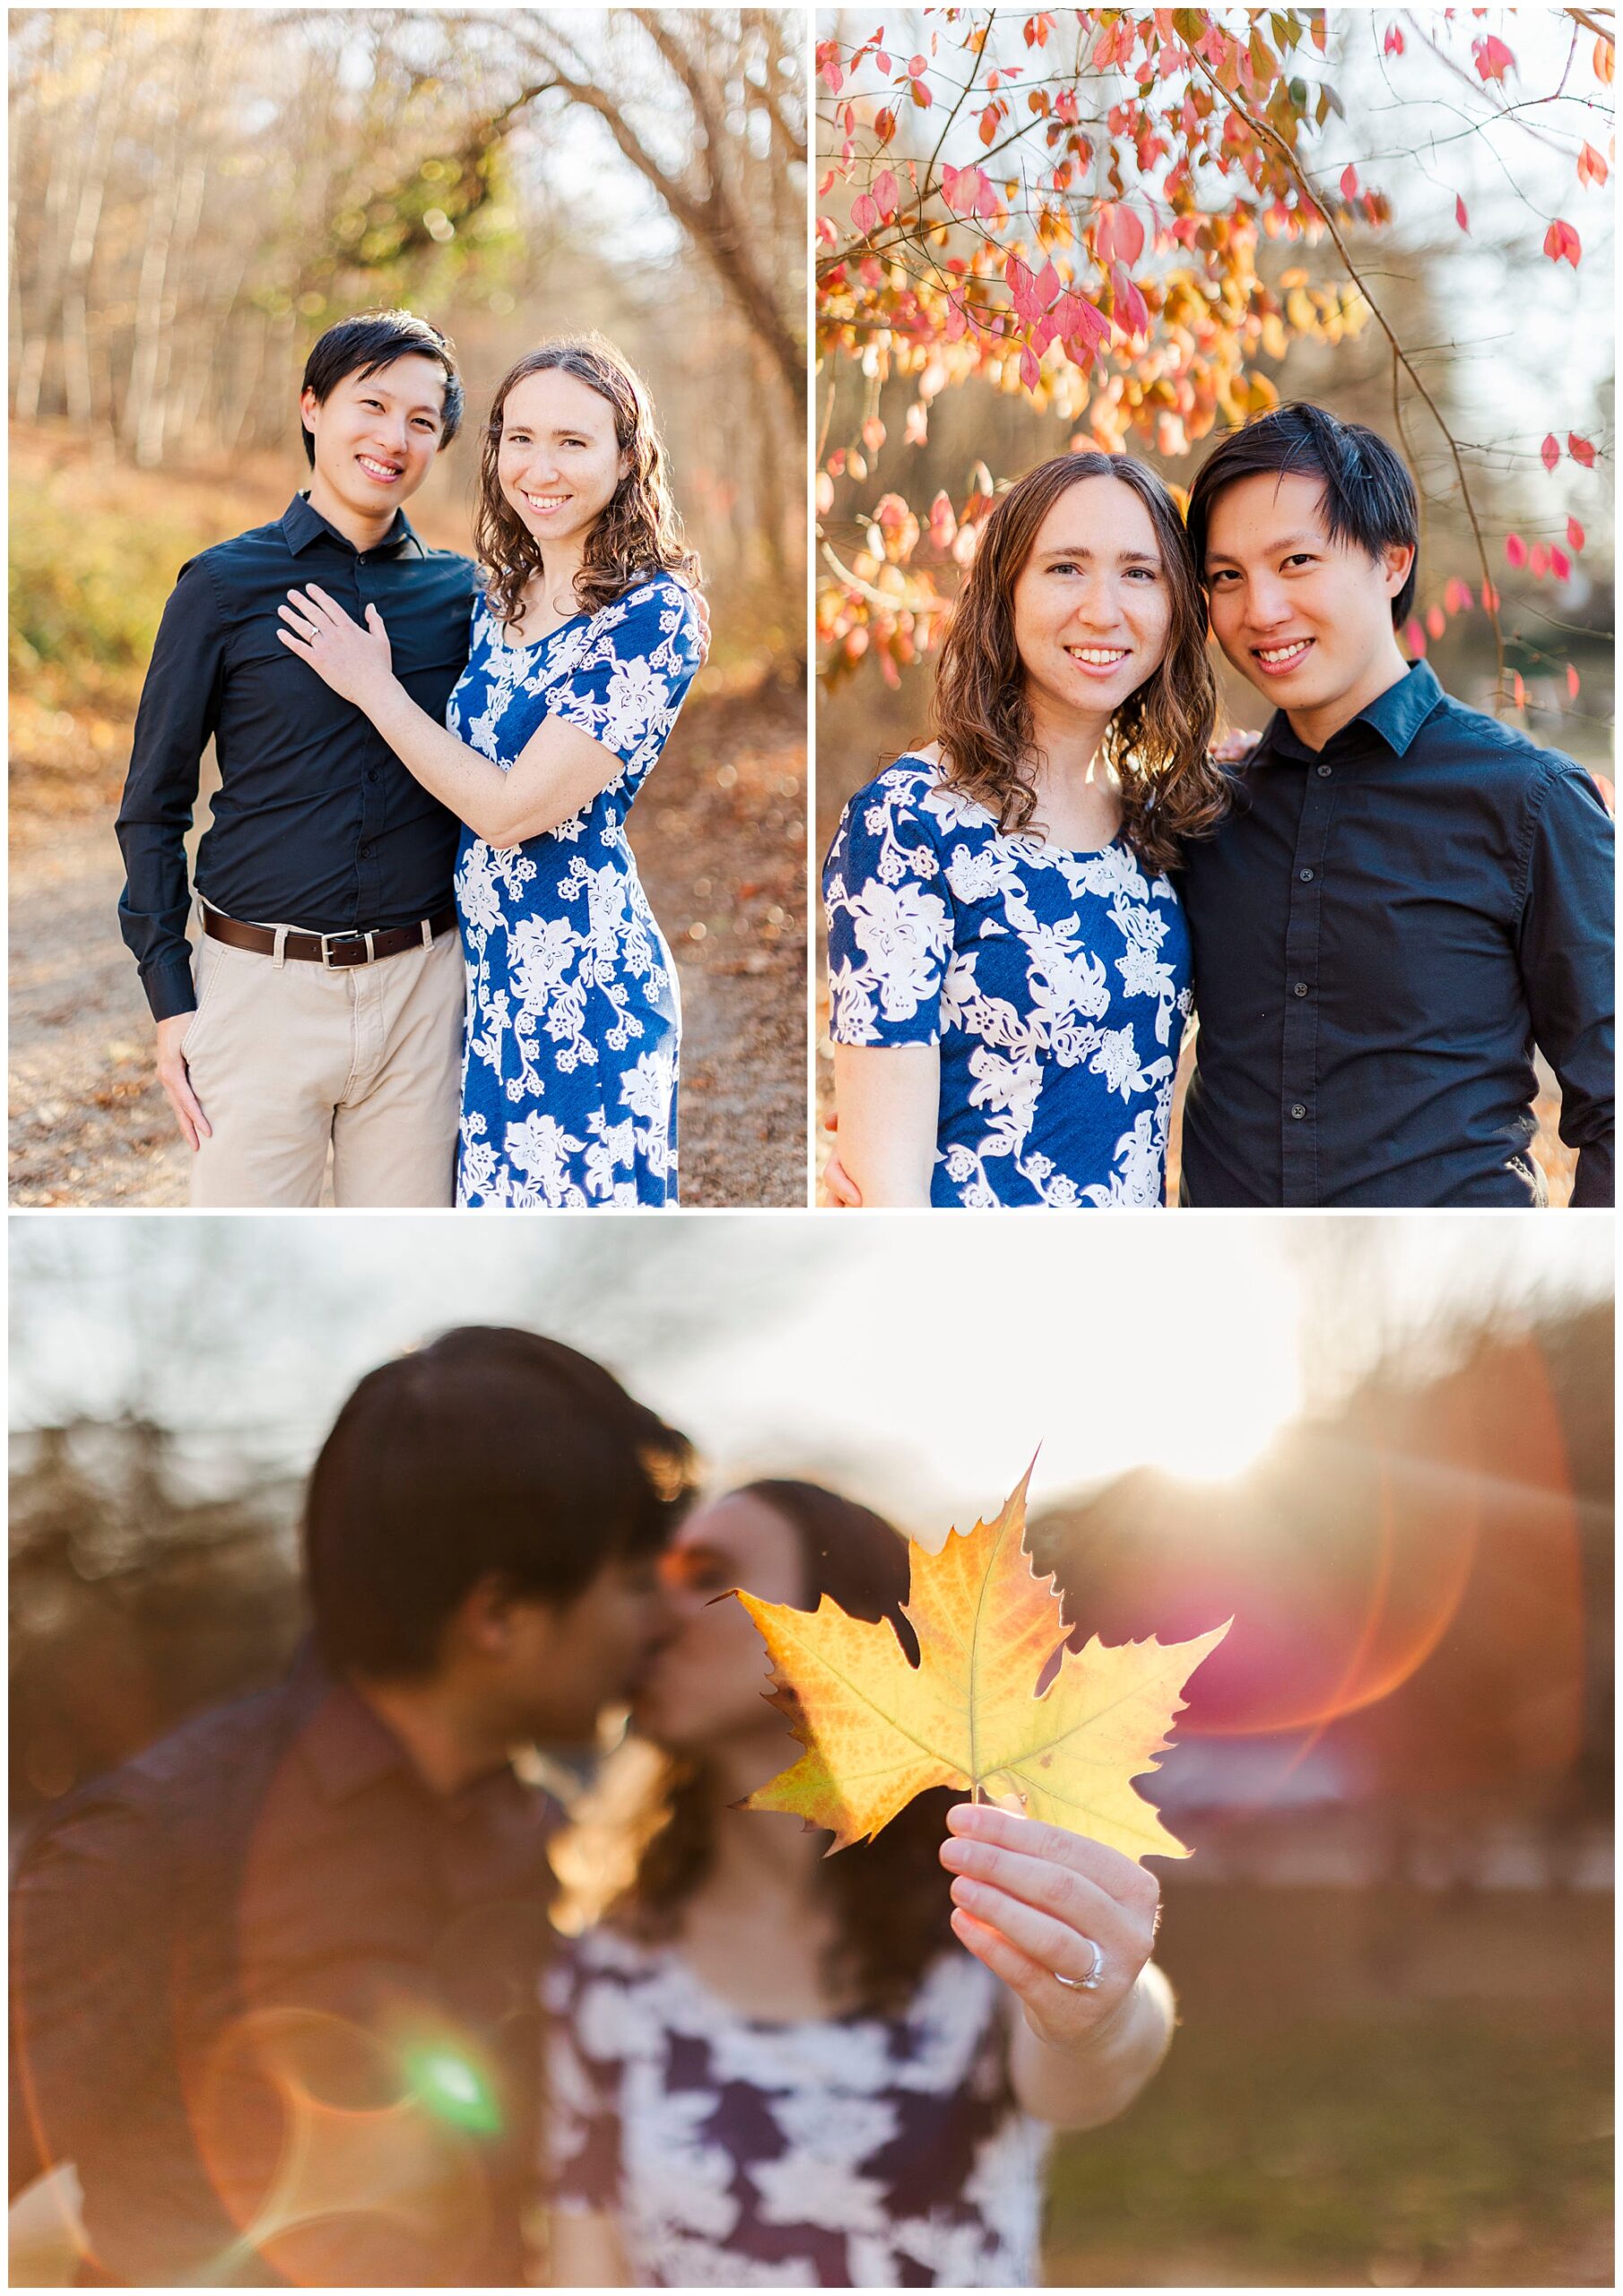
column 878, row 1730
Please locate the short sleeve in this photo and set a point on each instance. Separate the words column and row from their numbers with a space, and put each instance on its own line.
column 625, row 683
column 889, row 921
column 580, row 2145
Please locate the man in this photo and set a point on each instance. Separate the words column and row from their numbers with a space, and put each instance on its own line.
column 327, row 1005
column 274, row 1981
column 1408, row 895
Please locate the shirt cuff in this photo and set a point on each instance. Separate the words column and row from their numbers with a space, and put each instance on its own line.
column 169, row 987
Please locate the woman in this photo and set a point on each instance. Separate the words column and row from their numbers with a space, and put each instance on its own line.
column 771, row 2068
column 582, row 650
column 1008, row 961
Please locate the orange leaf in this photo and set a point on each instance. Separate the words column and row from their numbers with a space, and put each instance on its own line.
column 1436, row 621
column 878, row 1730
column 1572, row 683
column 1574, row 533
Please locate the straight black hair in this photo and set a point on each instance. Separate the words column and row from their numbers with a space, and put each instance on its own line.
column 374, row 339
column 1369, row 497
column 490, row 1450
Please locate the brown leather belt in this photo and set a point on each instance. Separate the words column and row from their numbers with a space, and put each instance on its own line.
column 333, row 951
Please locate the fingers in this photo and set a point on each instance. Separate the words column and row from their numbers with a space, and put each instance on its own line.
column 193, row 1124
column 1055, row 1891
column 1052, row 1945
column 994, row 1834
column 1001, row 1957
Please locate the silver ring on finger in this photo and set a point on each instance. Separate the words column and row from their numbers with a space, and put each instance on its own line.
column 1090, row 1983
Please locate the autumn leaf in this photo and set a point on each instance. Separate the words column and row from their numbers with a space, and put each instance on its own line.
column 878, row 1730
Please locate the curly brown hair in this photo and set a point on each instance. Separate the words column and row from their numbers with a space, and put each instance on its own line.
column 888, row 1897
column 637, row 533
column 1157, row 743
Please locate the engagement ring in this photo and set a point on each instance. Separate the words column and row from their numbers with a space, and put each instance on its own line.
column 1089, row 1984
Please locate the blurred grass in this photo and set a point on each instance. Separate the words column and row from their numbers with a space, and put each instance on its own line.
column 1389, row 2151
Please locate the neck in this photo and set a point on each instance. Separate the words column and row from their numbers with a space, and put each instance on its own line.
column 1315, row 728
column 1068, row 743
column 365, row 531
column 450, row 1745
column 763, row 1857
column 555, row 583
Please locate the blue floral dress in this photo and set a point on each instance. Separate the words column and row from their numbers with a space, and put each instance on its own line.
column 1056, row 984
column 568, row 1079
column 862, row 2151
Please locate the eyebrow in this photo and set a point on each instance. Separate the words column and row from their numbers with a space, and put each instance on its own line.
column 1123, row 557
column 1284, row 542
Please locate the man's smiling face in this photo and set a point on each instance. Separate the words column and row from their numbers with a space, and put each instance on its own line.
column 1307, row 620
column 376, row 436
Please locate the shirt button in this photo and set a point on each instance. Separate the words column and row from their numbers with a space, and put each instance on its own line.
column 1301, row 989
column 1298, row 1110
column 1305, row 876
column 371, row 773
column 1323, row 773
column 366, row 852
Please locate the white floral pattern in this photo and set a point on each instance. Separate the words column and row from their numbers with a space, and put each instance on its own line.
column 1055, row 983
column 852, row 2152
column 570, row 1070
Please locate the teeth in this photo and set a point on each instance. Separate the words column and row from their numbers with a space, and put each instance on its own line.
column 379, row 470
column 1102, row 655
column 546, row 501
column 1284, row 653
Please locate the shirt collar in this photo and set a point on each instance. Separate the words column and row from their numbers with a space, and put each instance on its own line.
column 301, row 526
column 348, row 1746
column 1397, row 716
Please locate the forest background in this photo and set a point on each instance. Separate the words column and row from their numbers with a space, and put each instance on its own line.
column 195, row 194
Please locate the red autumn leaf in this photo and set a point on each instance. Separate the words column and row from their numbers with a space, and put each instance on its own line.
column 1537, row 562
column 921, row 94
column 1561, row 565
column 1606, row 57
column 1549, row 453
column 1414, row 638
column 1394, row 43
column 916, row 65
column 1456, row 596
column 1562, row 243
column 864, row 213
column 1580, row 450
column 1592, row 167
column 886, row 193
column 1030, row 372
column 1572, row 683
column 884, row 124
column 1436, row 621
column 1490, row 598
column 1493, row 60
column 988, row 127
column 1132, row 312
column 1574, row 533
column 1516, row 549
column 1119, row 237
column 1460, row 215
column 1350, row 182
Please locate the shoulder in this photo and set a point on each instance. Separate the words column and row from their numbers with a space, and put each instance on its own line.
column 903, row 792
column 661, row 601
column 173, row 1787
column 1501, row 757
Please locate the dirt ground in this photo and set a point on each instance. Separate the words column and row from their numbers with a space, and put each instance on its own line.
column 720, row 840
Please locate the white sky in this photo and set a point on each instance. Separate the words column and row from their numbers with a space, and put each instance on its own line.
column 918, row 1361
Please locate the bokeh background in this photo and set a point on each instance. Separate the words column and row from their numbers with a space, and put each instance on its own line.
column 1384, row 1444
column 197, row 194
column 1512, row 346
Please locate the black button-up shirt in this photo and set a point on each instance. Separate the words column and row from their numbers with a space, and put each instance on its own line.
column 1382, row 930
column 315, row 823
column 277, row 2002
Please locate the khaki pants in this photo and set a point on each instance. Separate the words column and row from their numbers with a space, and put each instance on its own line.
column 287, row 1060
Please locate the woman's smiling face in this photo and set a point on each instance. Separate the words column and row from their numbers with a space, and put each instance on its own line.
column 1092, row 606
column 560, row 460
